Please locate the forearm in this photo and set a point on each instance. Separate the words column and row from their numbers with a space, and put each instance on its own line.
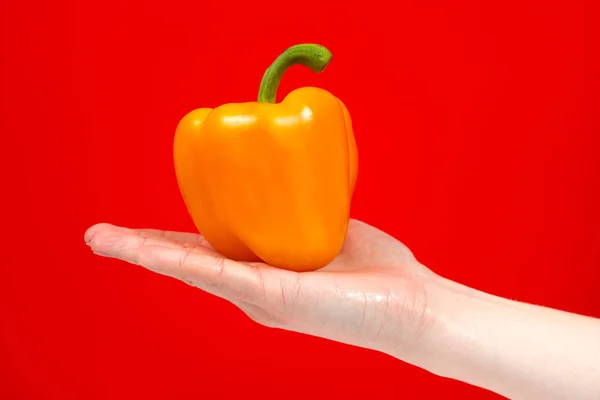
column 518, row 350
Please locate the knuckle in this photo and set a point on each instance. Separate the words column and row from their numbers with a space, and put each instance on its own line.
column 219, row 267
column 184, row 267
column 142, row 247
column 296, row 289
column 260, row 281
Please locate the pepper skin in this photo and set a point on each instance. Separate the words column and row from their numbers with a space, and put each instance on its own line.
column 271, row 182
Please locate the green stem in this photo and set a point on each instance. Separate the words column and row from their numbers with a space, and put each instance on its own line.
column 313, row 56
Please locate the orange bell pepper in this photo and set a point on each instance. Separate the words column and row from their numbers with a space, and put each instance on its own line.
column 271, row 182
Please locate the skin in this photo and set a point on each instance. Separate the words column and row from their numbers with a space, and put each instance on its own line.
column 376, row 295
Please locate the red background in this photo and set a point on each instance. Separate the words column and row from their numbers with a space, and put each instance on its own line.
column 478, row 133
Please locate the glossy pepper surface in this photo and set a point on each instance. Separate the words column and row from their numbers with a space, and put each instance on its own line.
column 267, row 181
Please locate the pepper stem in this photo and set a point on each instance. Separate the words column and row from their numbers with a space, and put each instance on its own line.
column 313, row 56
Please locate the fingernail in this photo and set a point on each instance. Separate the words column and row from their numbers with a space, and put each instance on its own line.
column 87, row 237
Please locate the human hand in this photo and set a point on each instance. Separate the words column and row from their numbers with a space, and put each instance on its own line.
column 372, row 295
column 376, row 295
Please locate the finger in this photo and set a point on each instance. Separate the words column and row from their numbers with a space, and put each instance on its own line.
column 216, row 275
column 189, row 238
column 186, row 238
column 101, row 236
column 198, row 266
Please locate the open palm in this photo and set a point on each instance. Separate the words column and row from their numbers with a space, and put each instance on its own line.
column 372, row 295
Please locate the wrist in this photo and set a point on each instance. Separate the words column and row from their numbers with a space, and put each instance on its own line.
column 435, row 329
column 515, row 349
column 449, row 337
column 449, row 341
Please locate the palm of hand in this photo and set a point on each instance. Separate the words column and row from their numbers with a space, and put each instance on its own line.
column 372, row 295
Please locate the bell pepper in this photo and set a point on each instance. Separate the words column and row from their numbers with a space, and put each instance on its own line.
column 271, row 182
